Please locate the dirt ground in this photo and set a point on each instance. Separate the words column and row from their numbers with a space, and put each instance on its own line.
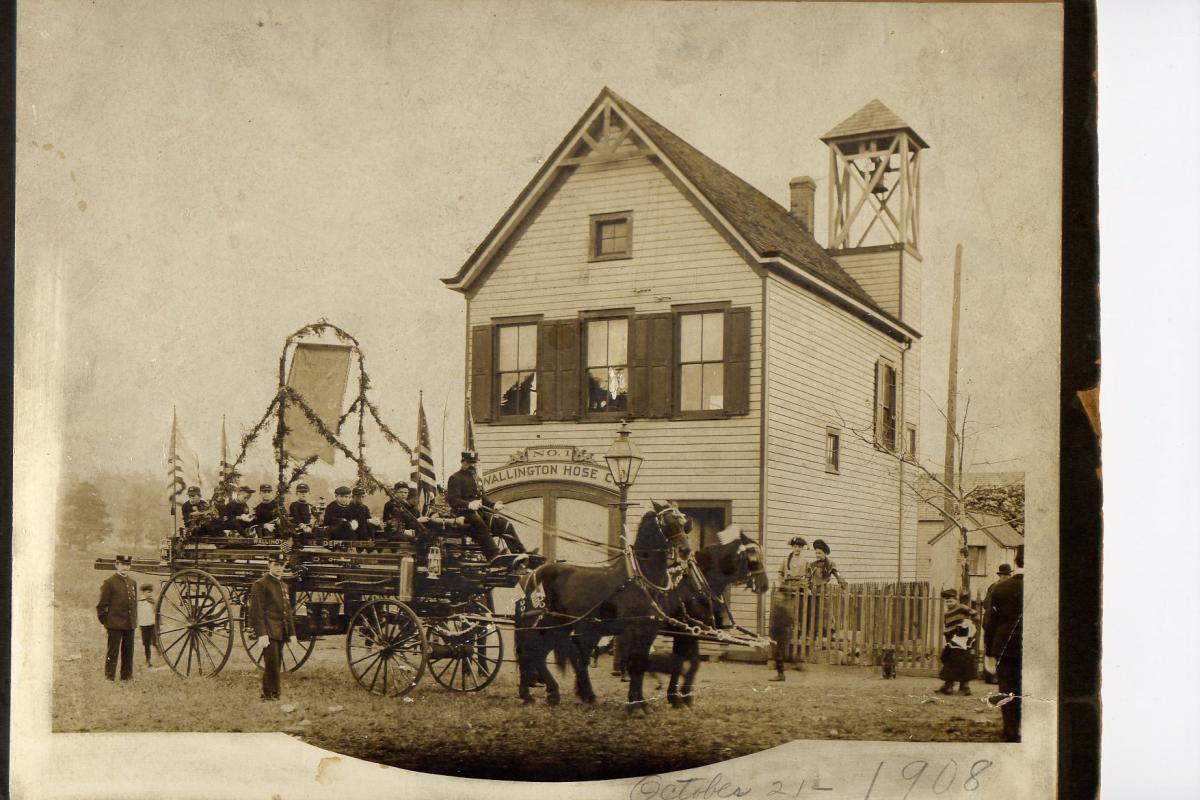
column 490, row 734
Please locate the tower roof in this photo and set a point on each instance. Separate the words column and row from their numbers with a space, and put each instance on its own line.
column 874, row 117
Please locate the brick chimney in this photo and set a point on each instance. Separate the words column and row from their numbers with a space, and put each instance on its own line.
column 804, row 194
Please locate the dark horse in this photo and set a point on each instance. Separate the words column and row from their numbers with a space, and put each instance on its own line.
column 722, row 565
column 631, row 596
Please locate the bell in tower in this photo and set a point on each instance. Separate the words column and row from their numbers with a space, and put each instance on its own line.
column 874, row 178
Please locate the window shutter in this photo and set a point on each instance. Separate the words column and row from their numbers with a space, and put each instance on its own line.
column 879, row 403
column 662, row 365
column 481, row 373
column 639, row 366
column 568, row 403
column 737, row 360
column 547, row 370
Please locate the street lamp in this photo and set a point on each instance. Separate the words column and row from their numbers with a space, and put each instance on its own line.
column 624, row 461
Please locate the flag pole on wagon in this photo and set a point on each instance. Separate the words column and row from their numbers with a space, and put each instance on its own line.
column 424, row 476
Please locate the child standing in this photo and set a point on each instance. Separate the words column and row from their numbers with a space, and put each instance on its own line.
column 145, row 618
column 959, row 632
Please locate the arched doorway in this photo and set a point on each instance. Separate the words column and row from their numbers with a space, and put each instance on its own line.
column 541, row 509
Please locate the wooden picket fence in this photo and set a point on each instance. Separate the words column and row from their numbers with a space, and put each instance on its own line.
column 853, row 625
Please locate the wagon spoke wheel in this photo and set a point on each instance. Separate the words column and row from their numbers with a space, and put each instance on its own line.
column 465, row 650
column 295, row 651
column 194, row 624
column 385, row 647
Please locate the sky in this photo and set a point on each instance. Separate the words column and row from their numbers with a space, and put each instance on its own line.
column 198, row 180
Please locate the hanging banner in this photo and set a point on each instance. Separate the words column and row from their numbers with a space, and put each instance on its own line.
column 319, row 373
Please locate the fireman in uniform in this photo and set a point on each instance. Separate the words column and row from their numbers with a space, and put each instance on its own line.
column 117, row 611
column 466, row 498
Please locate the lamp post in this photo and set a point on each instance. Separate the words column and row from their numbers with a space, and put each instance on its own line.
column 623, row 461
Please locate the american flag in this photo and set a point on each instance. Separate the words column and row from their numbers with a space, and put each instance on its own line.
column 423, row 477
column 184, row 465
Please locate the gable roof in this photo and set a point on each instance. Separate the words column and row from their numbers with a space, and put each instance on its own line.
column 769, row 230
column 995, row 527
column 874, row 117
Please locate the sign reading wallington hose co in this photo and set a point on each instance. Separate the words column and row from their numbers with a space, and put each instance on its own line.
column 550, row 463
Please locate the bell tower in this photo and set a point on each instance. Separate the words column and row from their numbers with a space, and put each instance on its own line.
column 874, row 206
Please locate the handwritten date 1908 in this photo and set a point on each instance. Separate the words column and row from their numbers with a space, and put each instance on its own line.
column 918, row 779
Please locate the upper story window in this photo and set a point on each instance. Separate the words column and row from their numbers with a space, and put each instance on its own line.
column 885, row 406
column 611, row 236
column 702, row 361
column 607, row 351
column 516, row 369
column 833, row 450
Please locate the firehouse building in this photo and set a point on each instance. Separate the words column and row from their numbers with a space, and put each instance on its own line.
column 769, row 382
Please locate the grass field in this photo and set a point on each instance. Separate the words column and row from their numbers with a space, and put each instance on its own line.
column 490, row 734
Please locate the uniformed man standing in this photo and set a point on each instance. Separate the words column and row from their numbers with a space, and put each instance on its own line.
column 273, row 622
column 466, row 498
column 117, row 611
column 266, row 512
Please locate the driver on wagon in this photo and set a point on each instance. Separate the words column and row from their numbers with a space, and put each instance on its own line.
column 466, row 498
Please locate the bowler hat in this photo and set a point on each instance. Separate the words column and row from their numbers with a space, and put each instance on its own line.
column 800, row 540
column 123, row 559
column 1004, row 569
column 303, row 487
column 819, row 544
column 470, row 455
column 342, row 491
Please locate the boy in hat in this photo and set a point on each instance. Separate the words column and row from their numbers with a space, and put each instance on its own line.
column 266, row 512
column 959, row 630
column 270, row 615
column 341, row 520
column 401, row 513
column 145, row 615
column 301, row 511
column 236, row 514
column 117, row 611
column 195, row 504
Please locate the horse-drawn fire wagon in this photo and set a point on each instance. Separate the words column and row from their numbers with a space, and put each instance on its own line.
column 415, row 597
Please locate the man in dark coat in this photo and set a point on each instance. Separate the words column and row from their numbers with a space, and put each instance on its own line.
column 272, row 620
column 1002, row 639
column 117, row 611
column 989, row 663
column 466, row 498
column 345, row 519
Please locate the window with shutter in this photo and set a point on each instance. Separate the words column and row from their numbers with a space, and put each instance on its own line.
column 885, row 406
column 516, row 370
column 606, row 347
column 481, row 373
column 651, row 365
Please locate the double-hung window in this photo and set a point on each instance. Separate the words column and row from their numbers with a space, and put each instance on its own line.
column 516, row 369
column 885, row 406
column 607, row 346
column 702, row 361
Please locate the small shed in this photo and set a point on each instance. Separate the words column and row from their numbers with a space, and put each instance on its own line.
column 991, row 541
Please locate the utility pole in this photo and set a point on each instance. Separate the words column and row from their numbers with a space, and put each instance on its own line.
column 949, row 477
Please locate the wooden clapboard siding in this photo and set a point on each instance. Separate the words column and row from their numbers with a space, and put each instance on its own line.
column 678, row 257
column 822, row 364
column 877, row 271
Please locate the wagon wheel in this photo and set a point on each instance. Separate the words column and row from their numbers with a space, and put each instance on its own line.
column 193, row 623
column 295, row 651
column 385, row 647
column 465, row 652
